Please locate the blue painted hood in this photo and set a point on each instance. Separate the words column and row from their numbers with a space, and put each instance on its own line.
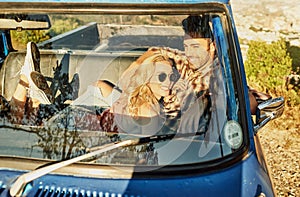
column 245, row 178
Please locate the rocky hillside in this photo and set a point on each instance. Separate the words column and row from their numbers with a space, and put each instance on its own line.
column 267, row 20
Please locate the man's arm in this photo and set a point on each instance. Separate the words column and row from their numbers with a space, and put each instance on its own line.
column 255, row 98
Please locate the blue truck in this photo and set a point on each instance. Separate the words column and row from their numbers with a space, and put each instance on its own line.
column 75, row 144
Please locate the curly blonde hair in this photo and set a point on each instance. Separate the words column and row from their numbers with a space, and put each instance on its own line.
column 138, row 92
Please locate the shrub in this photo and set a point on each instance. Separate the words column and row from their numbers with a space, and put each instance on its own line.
column 23, row 37
column 61, row 24
column 267, row 66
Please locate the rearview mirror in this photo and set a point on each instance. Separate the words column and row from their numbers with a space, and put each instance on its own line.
column 268, row 110
column 24, row 22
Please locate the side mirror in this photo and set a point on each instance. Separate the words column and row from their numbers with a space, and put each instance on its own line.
column 268, row 110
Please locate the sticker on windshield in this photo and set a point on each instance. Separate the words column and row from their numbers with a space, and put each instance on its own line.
column 233, row 134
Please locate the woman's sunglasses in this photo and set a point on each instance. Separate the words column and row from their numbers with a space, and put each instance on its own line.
column 172, row 76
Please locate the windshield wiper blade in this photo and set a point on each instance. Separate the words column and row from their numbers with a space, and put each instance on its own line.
column 20, row 183
column 154, row 138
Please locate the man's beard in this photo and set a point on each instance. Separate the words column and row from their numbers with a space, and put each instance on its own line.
column 200, row 63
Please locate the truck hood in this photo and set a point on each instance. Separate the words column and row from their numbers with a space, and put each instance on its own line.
column 245, row 178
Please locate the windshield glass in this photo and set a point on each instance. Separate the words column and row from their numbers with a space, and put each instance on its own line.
column 91, row 80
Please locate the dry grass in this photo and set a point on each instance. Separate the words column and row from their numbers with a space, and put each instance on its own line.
column 281, row 144
column 290, row 120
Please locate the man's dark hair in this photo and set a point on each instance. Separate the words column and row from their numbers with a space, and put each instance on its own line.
column 197, row 26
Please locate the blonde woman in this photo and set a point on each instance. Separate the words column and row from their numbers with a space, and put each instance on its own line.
column 148, row 103
column 140, row 107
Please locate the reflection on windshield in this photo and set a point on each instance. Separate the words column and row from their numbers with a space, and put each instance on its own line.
column 126, row 88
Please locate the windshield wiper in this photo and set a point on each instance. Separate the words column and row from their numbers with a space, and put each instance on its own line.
column 19, row 185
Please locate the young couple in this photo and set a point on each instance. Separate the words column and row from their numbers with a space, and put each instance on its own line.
column 148, row 90
column 139, row 108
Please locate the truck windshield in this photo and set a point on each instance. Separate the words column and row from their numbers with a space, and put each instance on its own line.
column 92, row 80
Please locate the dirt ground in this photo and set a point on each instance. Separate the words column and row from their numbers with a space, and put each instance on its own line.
column 282, row 151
